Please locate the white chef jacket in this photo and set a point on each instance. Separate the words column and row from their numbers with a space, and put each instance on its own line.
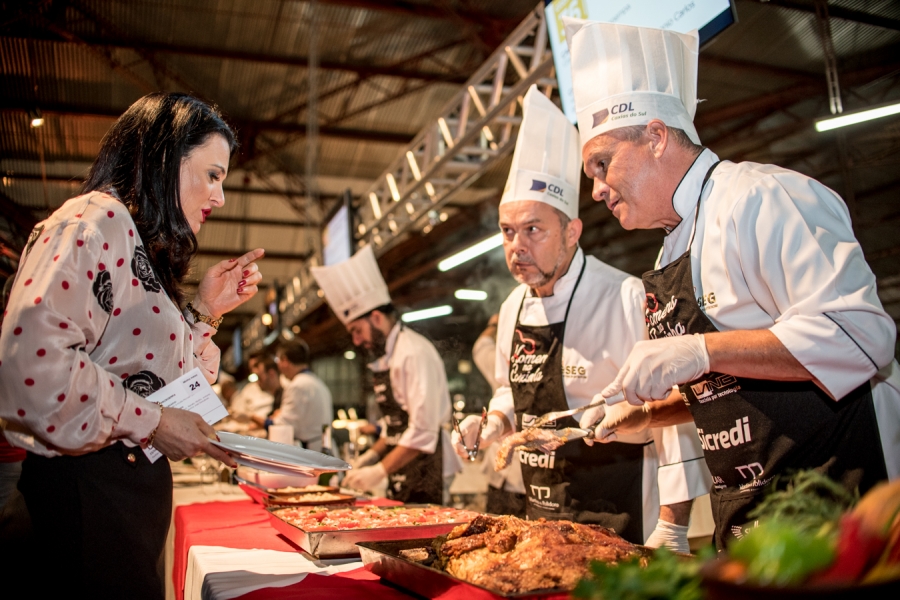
column 253, row 400
column 419, row 384
column 306, row 406
column 778, row 253
column 605, row 321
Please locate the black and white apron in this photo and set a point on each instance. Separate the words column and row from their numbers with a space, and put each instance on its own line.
column 752, row 430
column 589, row 484
column 420, row 481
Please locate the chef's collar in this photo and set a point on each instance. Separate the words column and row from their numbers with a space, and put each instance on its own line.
column 688, row 191
column 382, row 364
column 564, row 284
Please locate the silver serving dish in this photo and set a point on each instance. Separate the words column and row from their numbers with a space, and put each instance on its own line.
column 383, row 559
column 343, row 543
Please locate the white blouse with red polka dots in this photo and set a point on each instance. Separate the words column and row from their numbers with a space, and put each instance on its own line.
column 89, row 332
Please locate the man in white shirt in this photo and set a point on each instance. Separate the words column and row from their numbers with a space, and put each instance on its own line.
column 306, row 401
column 562, row 336
column 409, row 383
column 762, row 308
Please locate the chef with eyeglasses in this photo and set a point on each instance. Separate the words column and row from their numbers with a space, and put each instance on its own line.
column 409, row 384
column 761, row 308
column 562, row 336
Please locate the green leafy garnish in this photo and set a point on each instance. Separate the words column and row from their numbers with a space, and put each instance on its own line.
column 666, row 577
column 781, row 553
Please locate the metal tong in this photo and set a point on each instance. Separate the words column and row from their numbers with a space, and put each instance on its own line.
column 473, row 452
column 559, row 414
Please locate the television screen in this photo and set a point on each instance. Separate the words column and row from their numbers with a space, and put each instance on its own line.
column 337, row 238
column 710, row 17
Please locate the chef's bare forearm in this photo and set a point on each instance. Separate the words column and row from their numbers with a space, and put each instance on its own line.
column 755, row 354
column 678, row 513
column 380, row 446
column 398, row 458
column 671, row 411
column 507, row 426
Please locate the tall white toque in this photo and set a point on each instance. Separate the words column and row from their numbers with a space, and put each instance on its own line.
column 353, row 287
column 624, row 75
column 546, row 165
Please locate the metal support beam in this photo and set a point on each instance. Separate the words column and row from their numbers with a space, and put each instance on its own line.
column 83, row 111
column 838, row 12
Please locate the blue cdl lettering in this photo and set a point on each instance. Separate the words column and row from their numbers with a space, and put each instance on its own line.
column 621, row 108
column 554, row 189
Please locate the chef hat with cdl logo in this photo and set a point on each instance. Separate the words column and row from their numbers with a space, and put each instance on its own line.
column 624, row 75
column 353, row 287
column 546, row 165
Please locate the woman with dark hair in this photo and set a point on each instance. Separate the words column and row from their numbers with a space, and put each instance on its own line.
column 95, row 324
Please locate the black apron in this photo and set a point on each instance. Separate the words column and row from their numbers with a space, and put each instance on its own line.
column 589, row 484
column 752, row 430
column 421, row 481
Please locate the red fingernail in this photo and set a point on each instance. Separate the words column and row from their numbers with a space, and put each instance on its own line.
column 246, row 273
column 242, row 283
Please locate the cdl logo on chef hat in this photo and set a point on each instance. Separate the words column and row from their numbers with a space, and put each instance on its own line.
column 600, row 117
column 538, row 186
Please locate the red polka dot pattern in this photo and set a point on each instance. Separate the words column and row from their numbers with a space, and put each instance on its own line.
column 90, row 275
column 120, row 262
column 84, row 426
column 37, row 300
column 105, row 246
column 56, row 258
column 110, row 214
column 137, row 411
column 79, row 243
column 149, row 356
column 136, row 331
column 131, row 233
column 156, row 309
column 101, row 267
column 117, row 312
column 51, row 429
column 172, row 337
column 28, row 281
column 134, row 282
column 20, row 412
column 29, row 382
column 65, row 285
column 41, row 352
column 84, row 398
column 17, row 331
column 63, row 325
column 61, row 397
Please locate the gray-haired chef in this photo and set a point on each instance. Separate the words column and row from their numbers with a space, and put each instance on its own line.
column 761, row 308
column 410, row 384
column 562, row 336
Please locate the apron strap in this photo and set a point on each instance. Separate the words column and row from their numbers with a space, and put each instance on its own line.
column 699, row 196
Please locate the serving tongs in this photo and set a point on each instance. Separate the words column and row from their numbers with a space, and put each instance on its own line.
column 559, row 414
column 473, row 452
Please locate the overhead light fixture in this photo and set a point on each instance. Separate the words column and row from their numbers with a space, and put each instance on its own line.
column 857, row 117
column 252, row 378
column 266, row 319
column 477, row 295
column 428, row 313
column 35, row 117
column 349, row 354
column 471, row 252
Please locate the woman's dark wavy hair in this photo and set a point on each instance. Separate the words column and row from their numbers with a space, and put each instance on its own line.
column 140, row 163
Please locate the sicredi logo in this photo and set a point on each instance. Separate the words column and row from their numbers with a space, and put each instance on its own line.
column 737, row 435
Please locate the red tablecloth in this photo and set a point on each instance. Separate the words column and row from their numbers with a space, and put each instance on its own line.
column 245, row 524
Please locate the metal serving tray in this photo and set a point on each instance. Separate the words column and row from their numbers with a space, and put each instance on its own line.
column 383, row 559
column 343, row 543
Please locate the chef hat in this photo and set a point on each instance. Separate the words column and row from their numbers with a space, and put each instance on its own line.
column 353, row 287
column 624, row 75
column 546, row 165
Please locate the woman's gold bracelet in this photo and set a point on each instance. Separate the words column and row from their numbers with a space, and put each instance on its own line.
column 153, row 433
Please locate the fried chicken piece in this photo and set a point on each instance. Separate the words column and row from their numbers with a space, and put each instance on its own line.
column 510, row 555
column 545, row 440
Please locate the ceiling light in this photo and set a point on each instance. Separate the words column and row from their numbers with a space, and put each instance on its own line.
column 252, row 378
column 471, row 295
column 471, row 252
column 428, row 313
column 857, row 117
column 266, row 319
column 349, row 354
column 36, row 118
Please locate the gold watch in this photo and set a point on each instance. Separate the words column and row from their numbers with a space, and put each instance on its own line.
column 198, row 316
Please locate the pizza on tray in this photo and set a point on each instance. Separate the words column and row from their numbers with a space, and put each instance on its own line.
column 371, row 517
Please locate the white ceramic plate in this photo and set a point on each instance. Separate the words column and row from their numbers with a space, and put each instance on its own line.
column 277, row 458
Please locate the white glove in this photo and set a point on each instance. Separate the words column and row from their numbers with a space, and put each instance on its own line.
column 654, row 366
column 622, row 418
column 591, row 417
column 670, row 535
column 492, row 431
column 366, row 478
column 369, row 457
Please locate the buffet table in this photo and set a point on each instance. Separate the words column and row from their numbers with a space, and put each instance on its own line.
column 226, row 550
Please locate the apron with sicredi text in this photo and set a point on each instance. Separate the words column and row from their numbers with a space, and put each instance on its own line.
column 752, row 430
column 599, row 484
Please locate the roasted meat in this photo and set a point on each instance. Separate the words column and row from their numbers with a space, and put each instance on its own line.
column 545, row 440
column 510, row 555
